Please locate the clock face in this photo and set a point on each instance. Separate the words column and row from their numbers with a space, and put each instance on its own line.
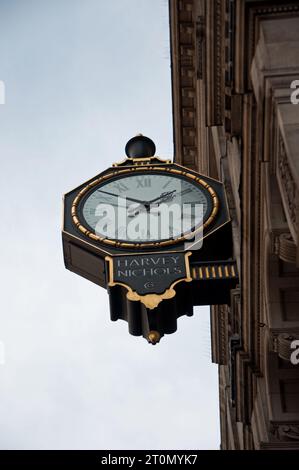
column 145, row 207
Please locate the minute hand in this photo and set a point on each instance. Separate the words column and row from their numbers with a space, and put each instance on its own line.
column 162, row 196
column 128, row 198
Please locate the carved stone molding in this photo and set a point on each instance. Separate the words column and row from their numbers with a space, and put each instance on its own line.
column 235, row 345
column 219, row 330
column 288, row 188
column 285, row 248
column 244, row 393
column 215, row 62
column 285, row 432
column 250, row 13
column 236, row 320
column 184, row 64
column 200, row 43
column 289, row 432
column 281, row 344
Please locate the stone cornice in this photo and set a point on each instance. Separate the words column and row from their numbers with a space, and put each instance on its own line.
column 184, row 76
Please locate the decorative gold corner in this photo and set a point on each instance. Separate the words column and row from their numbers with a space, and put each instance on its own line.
column 151, row 301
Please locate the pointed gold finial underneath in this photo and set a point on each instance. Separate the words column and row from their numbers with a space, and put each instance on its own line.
column 153, row 337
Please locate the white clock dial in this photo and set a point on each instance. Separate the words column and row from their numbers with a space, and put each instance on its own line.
column 146, row 207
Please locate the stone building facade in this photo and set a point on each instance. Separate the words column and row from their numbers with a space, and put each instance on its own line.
column 233, row 65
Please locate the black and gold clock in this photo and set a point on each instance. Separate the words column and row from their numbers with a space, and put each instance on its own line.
column 144, row 225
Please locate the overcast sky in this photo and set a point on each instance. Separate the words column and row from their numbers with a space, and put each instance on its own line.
column 82, row 77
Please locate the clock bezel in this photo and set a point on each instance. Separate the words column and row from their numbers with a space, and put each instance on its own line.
column 144, row 168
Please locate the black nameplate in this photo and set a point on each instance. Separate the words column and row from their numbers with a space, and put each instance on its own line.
column 149, row 274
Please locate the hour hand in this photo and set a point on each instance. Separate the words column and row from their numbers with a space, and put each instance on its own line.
column 117, row 195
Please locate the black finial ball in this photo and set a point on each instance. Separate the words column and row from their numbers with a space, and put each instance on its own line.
column 140, row 147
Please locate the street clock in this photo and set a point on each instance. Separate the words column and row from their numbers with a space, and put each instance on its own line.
column 156, row 235
column 143, row 189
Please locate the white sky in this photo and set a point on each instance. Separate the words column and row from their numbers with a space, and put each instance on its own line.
column 82, row 77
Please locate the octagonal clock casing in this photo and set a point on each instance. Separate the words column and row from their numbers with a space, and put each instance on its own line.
column 85, row 252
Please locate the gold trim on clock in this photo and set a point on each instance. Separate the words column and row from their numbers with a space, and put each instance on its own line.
column 142, row 161
column 150, row 301
column 119, row 172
